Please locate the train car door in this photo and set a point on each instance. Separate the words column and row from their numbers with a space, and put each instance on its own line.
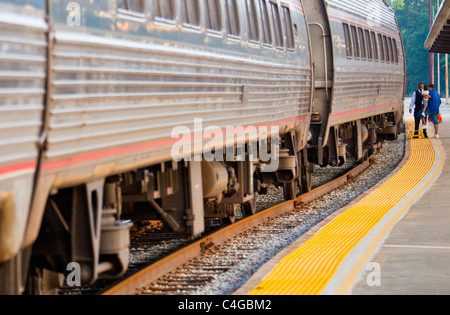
column 322, row 54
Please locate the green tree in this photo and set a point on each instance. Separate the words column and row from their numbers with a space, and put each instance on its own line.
column 413, row 17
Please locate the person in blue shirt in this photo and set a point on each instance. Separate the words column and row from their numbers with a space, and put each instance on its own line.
column 432, row 110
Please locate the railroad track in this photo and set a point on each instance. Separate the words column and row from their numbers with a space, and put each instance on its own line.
column 205, row 260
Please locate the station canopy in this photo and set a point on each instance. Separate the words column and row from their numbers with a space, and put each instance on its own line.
column 439, row 38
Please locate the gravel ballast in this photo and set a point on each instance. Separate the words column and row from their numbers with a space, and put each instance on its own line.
column 229, row 266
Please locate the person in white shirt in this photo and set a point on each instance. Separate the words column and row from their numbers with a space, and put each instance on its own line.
column 417, row 105
column 425, row 95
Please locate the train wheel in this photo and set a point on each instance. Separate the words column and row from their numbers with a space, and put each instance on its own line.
column 400, row 128
column 290, row 190
column 227, row 213
column 249, row 208
column 13, row 273
column 229, row 220
column 307, row 178
column 307, row 182
column 43, row 282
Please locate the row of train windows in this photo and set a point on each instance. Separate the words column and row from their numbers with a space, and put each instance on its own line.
column 262, row 15
column 365, row 44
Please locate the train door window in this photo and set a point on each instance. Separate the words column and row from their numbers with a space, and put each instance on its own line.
column 233, row 25
column 356, row 51
column 348, row 40
column 288, row 27
column 164, row 9
column 213, row 16
column 279, row 39
column 252, row 14
column 374, row 45
column 362, row 43
column 190, row 12
column 265, row 22
column 137, row 6
column 395, row 50
column 391, row 50
column 386, row 49
column 368, row 45
column 380, row 41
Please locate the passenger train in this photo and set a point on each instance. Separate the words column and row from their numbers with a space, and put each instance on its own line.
column 91, row 92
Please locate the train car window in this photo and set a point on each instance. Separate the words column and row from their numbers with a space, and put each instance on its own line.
column 252, row 14
column 368, row 45
column 136, row 5
column 164, row 9
column 391, row 50
column 380, row 41
column 348, row 40
column 233, row 25
column 356, row 51
column 279, row 39
column 265, row 22
column 386, row 49
column 288, row 27
column 213, row 16
column 362, row 43
column 190, row 12
column 374, row 45
column 132, row 5
column 395, row 51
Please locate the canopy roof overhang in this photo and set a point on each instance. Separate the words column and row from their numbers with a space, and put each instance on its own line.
column 438, row 40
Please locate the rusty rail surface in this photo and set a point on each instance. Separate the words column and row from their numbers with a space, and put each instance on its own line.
column 164, row 266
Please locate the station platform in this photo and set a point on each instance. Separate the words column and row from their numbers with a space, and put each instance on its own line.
column 393, row 240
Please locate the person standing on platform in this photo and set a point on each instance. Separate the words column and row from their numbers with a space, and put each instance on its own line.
column 417, row 105
column 433, row 108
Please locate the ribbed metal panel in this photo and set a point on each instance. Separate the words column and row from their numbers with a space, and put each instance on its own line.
column 358, row 90
column 373, row 11
column 23, row 68
column 364, row 88
column 23, row 51
column 111, row 94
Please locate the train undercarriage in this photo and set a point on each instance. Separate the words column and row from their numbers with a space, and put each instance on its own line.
column 89, row 225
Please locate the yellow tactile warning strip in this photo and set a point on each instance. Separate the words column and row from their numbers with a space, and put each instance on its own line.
column 308, row 270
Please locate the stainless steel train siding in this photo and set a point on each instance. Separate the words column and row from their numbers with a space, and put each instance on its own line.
column 98, row 91
column 86, row 101
column 363, row 87
column 121, row 81
column 119, row 85
column 23, row 64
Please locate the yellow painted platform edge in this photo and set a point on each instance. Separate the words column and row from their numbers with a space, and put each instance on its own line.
column 421, row 184
column 263, row 272
column 351, row 279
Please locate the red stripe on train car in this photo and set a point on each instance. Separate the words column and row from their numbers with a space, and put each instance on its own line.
column 364, row 110
column 295, row 4
column 141, row 147
column 18, row 167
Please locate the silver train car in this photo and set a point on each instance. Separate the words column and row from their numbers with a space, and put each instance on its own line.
column 94, row 96
column 360, row 78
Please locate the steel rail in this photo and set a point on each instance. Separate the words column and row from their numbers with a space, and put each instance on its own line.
column 170, row 263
